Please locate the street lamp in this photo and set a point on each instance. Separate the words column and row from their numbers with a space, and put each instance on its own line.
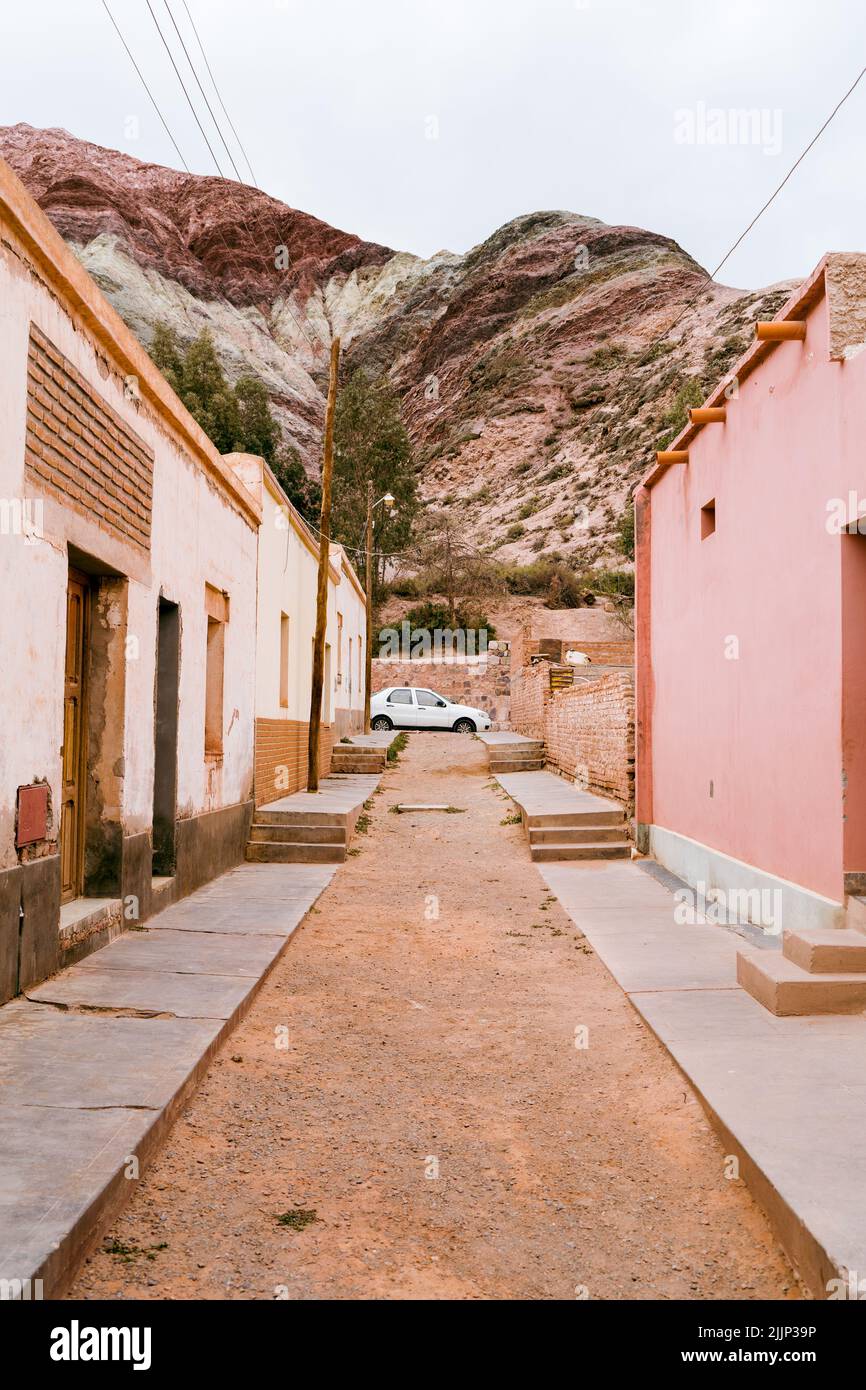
column 388, row 503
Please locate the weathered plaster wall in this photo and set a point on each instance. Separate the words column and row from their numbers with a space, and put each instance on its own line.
column 203, row 529
column 349, row 689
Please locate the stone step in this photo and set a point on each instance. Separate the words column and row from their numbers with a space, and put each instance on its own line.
column 344, row 765
column 826, row 950
column 547, row 818
column 517, row 765
column 577, row 834
column 509, row 750
column 856, row 912
column 267, row 852
column 265, row 831
column 274, row 817
column 785, row 989
column 593, row 850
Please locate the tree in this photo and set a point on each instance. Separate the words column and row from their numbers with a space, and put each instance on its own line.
column 370, row 441
column 303, row 492
column 259, row 429
column 233, row 418
column 454, row 565
column 626, row 531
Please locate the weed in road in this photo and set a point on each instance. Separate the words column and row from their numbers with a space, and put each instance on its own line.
column 513, row 818
column 454, row 810
column 298, row 1219
column 362, row 824
column 396, row 748
column 127, row 1253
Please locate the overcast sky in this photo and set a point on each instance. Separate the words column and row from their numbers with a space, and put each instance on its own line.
column 426, row 124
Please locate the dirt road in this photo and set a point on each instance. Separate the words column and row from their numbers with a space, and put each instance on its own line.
column 431, row 1130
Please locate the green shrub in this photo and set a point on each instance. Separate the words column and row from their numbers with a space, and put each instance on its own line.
column 626, row 533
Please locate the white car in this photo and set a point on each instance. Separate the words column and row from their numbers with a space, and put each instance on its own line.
column 406, row 707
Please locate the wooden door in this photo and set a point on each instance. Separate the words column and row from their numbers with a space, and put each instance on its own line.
column 72, row 752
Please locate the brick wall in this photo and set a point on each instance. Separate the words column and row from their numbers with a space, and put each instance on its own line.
column 530, row 691
column 484, row 684
column 281, row 756
column 588, row 730
column 81, row 448
column 613, row 645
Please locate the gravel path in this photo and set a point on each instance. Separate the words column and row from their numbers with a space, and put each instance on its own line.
column 431, row 1130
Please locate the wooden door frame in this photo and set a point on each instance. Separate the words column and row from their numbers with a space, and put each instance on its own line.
column 79, row 577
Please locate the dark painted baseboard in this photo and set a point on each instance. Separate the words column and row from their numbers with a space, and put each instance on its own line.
column 30, row 948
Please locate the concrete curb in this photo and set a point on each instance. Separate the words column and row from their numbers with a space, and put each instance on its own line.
column 100, row 1187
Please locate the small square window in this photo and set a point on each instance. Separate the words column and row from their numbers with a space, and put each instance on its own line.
column 708, row 519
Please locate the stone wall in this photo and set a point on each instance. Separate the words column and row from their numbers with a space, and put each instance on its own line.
column 484, row 682
column 588, row 730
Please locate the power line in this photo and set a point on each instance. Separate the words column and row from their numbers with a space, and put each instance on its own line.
column 185, row 92
column 145, row 86
column 711, row 274
column 219, row 96
column 243, row 214
column 796, row 163
column 202, row 90
column 314, row 347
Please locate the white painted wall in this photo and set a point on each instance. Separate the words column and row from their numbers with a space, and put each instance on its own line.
column 198, row 535
column 350, row 601
column 288, row 576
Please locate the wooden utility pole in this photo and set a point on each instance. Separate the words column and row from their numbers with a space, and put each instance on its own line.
column 322, row 589
column 368, row 646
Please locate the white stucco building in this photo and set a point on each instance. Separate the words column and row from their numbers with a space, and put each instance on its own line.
column 128, row 554
column 288, row 560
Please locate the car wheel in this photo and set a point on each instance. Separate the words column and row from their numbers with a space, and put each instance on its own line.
column 381, row 722
column 464, row 726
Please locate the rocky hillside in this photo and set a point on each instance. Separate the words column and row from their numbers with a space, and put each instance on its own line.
column 537, row 372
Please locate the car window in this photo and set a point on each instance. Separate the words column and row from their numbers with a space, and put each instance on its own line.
column 401, row 697
column 427, row 697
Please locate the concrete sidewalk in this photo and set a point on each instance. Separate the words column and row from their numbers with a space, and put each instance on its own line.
column 544, row 794
column 787, row 1095
column 96, row 1062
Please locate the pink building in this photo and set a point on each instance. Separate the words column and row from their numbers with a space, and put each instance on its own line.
column 751, row 629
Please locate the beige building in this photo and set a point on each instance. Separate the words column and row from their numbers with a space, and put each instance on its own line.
column 128, row 574
column 288, row 562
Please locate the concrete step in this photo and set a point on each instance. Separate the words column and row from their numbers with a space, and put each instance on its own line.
column 299, row 834
column 344, row 765
column 786, row 989
column 592, row 850
column 577, row 834
column 517, row 765
column 544, row 819
column 826, row 950
column 856, row 912
column 515, row 750
column 265, row 814
column 267, row 852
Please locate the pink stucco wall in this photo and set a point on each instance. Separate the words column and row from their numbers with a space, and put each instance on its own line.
column 763, row 728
